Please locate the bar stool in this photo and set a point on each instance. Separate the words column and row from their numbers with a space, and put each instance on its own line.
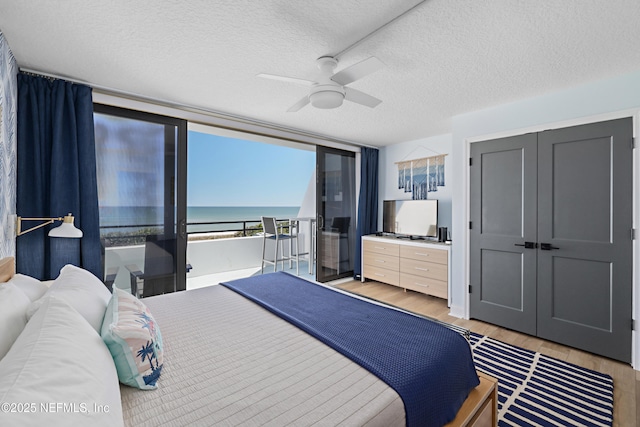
column 270, row 232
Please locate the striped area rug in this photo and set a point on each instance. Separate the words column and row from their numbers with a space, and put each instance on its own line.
column 536, row 390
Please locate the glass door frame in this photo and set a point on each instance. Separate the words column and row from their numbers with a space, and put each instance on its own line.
column 178, row 183
column 322, row 219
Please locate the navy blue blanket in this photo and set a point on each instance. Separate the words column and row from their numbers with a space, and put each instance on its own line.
column 427, row 364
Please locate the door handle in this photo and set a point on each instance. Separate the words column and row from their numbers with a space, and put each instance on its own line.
column 528, row 245
column 547, row 246
column 182, row 229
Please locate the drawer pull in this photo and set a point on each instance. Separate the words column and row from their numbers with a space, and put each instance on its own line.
column 381, row 261
column 380, row 274
column 420, row 284
column 380, row 247
column 421, row 269
column 421, row 254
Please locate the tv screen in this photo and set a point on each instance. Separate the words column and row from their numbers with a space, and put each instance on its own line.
column 411, row 217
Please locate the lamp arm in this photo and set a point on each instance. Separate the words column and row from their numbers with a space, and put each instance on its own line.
column 20, row 232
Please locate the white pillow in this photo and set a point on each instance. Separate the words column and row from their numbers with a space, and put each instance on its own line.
column 13, row 309
column 59, row 360
column 31, row 286
column 83, row 291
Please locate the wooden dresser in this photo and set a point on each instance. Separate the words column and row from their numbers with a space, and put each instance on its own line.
column 410, row 264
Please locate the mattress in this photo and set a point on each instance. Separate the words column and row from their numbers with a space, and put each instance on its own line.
column 228, row 361
column 428, row 365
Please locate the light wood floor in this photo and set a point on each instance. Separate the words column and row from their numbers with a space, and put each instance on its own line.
column 626, row 381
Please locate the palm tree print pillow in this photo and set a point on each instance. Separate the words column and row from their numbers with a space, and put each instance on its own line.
column 133, row 338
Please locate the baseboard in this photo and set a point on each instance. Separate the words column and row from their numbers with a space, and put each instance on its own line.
column 456, row 311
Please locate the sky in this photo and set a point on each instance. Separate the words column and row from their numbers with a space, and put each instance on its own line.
column 224, row 171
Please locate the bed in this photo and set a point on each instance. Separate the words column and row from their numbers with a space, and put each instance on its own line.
column 227, row 360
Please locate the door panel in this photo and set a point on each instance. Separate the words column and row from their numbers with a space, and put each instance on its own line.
column 502, row 192
column 141, row 171
column 580, row 183
column 593, row 306
column 503, row 274
column 585, row 214
column 495, row 275
column 336, row 213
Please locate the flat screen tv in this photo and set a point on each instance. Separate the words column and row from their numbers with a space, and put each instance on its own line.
column 415, row 218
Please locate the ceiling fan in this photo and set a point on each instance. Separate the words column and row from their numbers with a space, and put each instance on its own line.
column 330, row 89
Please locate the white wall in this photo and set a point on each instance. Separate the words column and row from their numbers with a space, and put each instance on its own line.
column 308, row 206
column 221, row 255
column 388, row 174
column 602, row 100
column 205, row 256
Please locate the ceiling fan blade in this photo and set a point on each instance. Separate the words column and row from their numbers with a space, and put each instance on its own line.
column 361, row 98
column 294, row 80
column 298, row 105
column 357, row 71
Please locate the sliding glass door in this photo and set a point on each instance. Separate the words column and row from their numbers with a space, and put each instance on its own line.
column 336, row 213
column 141, row 170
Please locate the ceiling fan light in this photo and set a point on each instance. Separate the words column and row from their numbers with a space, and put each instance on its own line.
column 326, row 99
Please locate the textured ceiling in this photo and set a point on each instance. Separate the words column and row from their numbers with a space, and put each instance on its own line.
column 444, row 58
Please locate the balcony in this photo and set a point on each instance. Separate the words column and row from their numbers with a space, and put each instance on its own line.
column 214, row 256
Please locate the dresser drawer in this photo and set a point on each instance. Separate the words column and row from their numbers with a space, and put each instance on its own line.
column 424, row 269
column 386, row 248
column 425, row 285
column 382, row 275
column 424, row 254
column 388, row 262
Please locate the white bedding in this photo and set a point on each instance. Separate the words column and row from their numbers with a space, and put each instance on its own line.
column 228, row 361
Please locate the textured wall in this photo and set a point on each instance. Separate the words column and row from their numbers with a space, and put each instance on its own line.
column 8, row 110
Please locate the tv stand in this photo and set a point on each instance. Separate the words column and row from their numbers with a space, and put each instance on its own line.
column 410, row 264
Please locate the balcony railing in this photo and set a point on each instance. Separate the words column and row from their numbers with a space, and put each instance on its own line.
column 124, row 245
column 122, row 238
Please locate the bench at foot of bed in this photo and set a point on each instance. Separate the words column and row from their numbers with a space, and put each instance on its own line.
column 481, row 407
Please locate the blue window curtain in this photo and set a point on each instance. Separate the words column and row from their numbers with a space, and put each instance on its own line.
column 56, row 175
column 367, row 202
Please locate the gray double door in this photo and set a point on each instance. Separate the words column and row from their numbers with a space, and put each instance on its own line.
column 551, row 235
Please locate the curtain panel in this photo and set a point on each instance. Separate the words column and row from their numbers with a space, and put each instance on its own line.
column 367, row 202
column 56, row 175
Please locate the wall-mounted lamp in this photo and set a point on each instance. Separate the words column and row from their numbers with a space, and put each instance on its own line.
column 66, row 229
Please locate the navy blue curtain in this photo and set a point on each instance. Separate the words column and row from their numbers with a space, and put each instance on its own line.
column 367, row 202
column 56, row 175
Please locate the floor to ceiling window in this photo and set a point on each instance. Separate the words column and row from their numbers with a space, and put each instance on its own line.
column 149, row 209
column 233, row 180
column 140, row 174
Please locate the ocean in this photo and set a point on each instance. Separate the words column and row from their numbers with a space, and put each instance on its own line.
column 234, row 213
column 137, row 216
